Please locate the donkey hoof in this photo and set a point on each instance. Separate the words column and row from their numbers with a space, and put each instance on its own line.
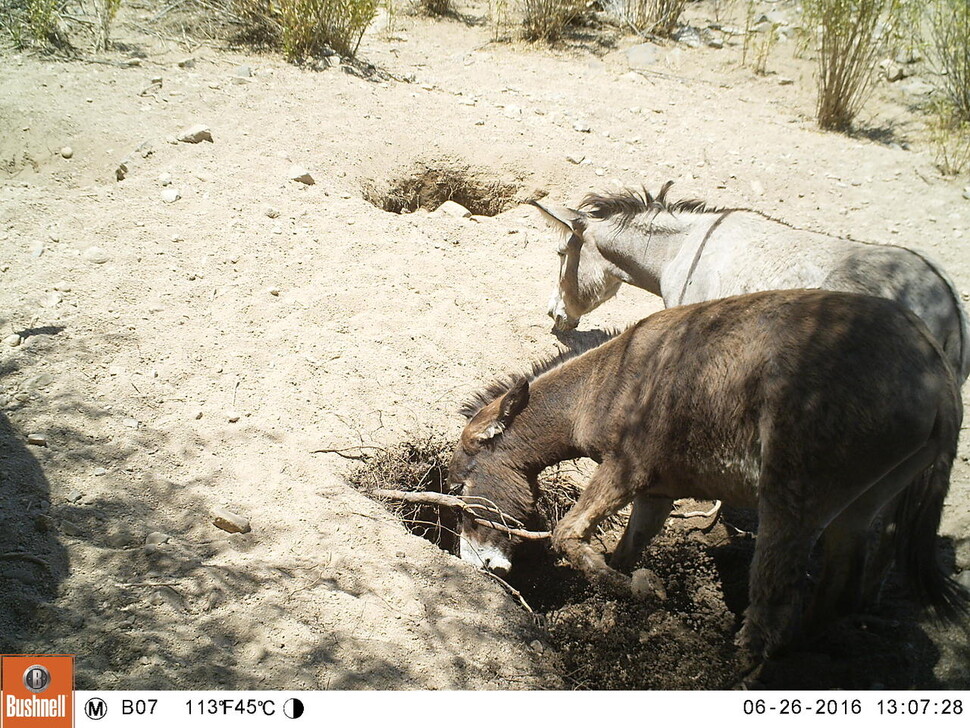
column 647, row 586
column 614, row 584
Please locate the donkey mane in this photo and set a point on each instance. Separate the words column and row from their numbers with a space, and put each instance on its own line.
column 628, row 203
column 474, row 404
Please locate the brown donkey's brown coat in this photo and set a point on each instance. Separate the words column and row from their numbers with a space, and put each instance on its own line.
column 817, row 408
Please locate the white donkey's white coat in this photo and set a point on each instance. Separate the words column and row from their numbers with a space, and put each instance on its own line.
column 687, row 253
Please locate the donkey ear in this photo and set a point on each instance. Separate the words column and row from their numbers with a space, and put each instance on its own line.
column 511, row 404
column 571, row 221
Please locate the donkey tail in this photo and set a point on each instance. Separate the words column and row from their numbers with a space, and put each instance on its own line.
column 917, row 520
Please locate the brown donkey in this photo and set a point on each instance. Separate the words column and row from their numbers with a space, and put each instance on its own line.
column 817, row 408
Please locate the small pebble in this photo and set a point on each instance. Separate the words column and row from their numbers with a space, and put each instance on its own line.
column 155, row 538
column 13, row 340
column 94, row 254
column 71, row 529
column 575, row 158
column 195, row 134
column 62, row 286
column 74, row 496
column 170, row 194
column 37, row 439
column 97, row 472
column 453, row 209
column 165, row 179
column 233, row 417
column 52, row 299
column 647, row 585
column 130, row 422
column 300, row 174
column 229, row 521
column 67, row 152
column 271, row 212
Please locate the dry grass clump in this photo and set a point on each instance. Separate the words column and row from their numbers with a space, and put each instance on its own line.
column 950, row 49
column 655, row 17
column 548, row 19
column 306, row 28
column 950, row 137
column 852, row 37
column 436, row 7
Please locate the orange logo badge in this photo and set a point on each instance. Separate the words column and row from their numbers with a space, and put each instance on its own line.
column 37, row 691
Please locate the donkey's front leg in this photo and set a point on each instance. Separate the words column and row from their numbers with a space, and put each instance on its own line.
column 606, row 494
column 646, row 520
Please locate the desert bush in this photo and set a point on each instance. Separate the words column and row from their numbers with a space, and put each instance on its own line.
column 547, row 19
column 306, row 28
column 105, row 10
column 852, row 37
column 757, row 44
column 950, row 137
column 949, row 41
column 656, row 17
column 436, row 7
column 310, row 27
column 42, row 18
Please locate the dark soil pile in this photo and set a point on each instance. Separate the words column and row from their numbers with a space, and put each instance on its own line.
column 685, row 639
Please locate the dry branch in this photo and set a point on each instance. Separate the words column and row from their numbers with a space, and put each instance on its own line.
column 699, row 514
column 454, row 501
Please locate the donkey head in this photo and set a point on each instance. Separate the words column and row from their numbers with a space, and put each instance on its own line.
column 585, row 280
column 482, row 469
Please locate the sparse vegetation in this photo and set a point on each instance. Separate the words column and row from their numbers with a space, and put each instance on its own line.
column 436, row 7
column 310, row 27
column 547, row 19
column 655, row 17
column 106, row 10
column 950, row 137
column 306, row 28
column 42, row 17
column 852, row 37
column 949, row 30
column 757, row 41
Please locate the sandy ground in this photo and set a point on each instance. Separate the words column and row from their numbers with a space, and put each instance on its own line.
column 183, row 356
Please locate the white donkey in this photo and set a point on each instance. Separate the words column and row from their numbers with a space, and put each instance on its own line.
column 687, row 252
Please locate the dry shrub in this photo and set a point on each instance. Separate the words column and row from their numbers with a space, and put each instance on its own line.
column 105, row 10
column 949, row 31
column 852, row 37
column 311, row 27
column 656, row 17
column 414, row 466
column 547, row 19
column 436, row 7
column 307, row 28
column 950, row 137
column 260, row 21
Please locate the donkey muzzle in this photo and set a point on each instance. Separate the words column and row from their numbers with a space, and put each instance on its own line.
column 484, row 556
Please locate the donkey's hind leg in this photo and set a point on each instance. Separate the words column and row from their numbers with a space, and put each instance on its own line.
column 607, row 492
column 646, row 520
column 777, row 580
column 856, row 549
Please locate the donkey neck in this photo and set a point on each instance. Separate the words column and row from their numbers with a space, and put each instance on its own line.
column 646, row 248
column 543, row 434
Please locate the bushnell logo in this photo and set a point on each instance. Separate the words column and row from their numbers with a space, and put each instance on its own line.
column 37, row 678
